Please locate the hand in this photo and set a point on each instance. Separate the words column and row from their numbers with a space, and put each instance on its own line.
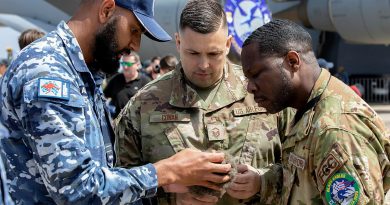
column 246, row 183
column 190, row 199
column 193, row 167
column 175, row 188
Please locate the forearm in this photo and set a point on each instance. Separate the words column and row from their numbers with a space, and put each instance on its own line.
column 271, row 179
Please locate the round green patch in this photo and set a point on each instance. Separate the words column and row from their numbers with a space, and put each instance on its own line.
column 342, row 188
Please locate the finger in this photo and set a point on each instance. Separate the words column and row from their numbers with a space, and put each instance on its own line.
column 215, row 157
column 241, row 168
column 217, row 178
column 206, row 198
column 242, row 179
column 220, row 168
column 238, row 187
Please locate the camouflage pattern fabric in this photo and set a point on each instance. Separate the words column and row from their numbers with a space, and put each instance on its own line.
column 337, row 153
column 4, row 192
column 59, row 149
column 168, row 115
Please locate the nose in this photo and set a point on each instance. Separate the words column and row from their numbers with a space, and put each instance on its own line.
column 251, row 87
column 135, row 43
column 203, row 63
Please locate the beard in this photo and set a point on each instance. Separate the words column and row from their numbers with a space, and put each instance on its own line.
column 284, row 94
column 106, row 54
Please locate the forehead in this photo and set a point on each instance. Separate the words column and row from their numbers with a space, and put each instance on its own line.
column 129, row 58
column 194, row 40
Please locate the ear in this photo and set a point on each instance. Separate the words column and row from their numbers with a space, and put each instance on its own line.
column 106, row 10
column 177, row 39
column 228, row 44
column 294, row 60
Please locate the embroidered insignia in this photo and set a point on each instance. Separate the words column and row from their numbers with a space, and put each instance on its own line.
column 297, row 161
column 216, row 132
column 53, row 88
column 342, row 188
column 247, row 110
column 332, row 162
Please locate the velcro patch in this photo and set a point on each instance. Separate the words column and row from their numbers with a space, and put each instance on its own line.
column 333, row 161
column 216, row 132
column 53, row 88
column 342, row 188
column 297, row 161
column 248, row 110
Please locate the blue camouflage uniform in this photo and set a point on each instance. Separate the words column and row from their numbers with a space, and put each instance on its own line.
column 59, row 148
column 4, row 194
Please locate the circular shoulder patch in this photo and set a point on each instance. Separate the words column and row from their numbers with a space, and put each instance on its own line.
column 342, row 188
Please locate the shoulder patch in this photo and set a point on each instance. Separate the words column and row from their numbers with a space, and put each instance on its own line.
column 342, row 188
column 332, row 162
column 53, row 88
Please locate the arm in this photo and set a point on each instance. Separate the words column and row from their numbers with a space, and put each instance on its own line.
column 56, row 135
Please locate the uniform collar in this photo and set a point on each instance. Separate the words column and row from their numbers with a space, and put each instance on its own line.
column 320, row 85
column 72, row 47
column 231, row 89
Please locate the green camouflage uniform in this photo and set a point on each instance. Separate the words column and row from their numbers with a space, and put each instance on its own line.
column 337, row 153
column 167, row 115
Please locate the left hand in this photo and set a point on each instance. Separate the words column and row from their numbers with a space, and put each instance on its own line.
column 246, row 183
column 175, row 188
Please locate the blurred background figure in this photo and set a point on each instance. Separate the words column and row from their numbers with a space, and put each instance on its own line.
column 168, row 63
column 124, row 85
column 3, row 66
column 154, row 67
column 28, row 36
column 325, row 64
column 342, row 75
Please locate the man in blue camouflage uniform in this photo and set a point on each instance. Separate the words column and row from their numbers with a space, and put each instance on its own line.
column 59, row 148
column 5, row 198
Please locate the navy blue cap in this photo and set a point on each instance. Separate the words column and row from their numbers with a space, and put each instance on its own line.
column 144, row 11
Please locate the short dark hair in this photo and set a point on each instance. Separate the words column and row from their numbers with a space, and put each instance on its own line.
column 28, row 36
column 168, row 62
column 280, row 36
column 203, row 16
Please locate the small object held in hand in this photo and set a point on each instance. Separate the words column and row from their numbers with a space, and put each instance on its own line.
column 201, row 191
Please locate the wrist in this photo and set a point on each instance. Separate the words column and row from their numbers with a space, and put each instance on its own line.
column 165, row 174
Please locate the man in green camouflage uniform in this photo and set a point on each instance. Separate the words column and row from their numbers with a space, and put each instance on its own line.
column 337, row 149
column 202, row 104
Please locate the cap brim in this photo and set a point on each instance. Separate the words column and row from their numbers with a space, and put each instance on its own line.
column 153, row 30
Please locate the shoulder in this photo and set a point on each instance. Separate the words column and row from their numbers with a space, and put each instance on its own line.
column 160, row 88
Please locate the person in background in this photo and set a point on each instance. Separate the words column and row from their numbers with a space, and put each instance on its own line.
column 154, row 67
column 167, row 64
column 325, row 64
column 59, row 150
column 342, row 75
column 125, row 85
column 337, row 149
column 201, row 104
column 28, row 36
column 3, row 66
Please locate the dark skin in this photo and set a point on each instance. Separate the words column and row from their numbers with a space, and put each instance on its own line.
column 266, row 75
column 188, row 167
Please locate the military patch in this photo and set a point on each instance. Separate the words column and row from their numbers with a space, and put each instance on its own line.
column 170, row 117
column 331, row 163
column 216, row 132
column 53, row 88
column 297, row 161
column 342, row 188
column 248, row 110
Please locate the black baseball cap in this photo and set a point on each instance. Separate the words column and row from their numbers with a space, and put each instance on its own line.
column 144, row 11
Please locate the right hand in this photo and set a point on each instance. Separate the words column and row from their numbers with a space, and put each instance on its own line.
column 190, row 199
column 193, row 167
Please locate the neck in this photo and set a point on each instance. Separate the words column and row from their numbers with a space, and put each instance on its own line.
column 79, row 25
column 135, row 76
column 305, row 87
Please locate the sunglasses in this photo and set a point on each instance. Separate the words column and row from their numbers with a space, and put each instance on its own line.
column 127, row 64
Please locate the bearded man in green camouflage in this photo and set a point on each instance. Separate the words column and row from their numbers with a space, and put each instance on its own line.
column 202, row 104
column 337, row 150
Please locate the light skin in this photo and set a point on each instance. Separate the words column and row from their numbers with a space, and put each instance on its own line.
column 188, row 167
column 130, row 72
column 203, row 56
column 3, row 68
column 265, row 74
